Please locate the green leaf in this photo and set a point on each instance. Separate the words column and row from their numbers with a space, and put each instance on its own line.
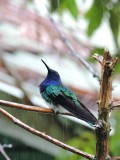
column 62, row 5
column 72, row 7
column 55, row 4
column 117, row 67
column 94, row 16
column 115, row 22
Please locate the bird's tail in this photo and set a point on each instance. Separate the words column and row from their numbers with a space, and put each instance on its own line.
column 83, row 113
column 77, row 109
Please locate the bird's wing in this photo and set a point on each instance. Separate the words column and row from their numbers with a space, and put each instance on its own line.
column 73, row 105
column 66, row 98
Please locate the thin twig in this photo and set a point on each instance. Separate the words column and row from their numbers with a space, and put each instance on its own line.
column 115, row 105
column 12, row 71
column 74, row 53
column 98, row 57
column 2, row 151
column 32, row 108
column 44, row 136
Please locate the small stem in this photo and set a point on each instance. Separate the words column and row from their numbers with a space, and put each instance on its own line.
column 115, row 105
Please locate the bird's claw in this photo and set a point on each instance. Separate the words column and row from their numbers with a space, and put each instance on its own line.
column 98, row 125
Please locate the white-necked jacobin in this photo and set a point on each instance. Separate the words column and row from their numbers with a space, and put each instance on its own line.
column 56, row 94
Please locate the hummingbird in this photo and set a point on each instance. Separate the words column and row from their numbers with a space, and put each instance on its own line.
column 56, row 94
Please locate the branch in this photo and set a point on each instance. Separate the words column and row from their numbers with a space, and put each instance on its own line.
column 98, row 57
column 31, row 108
column 2, row 151
column 73, row 51
column 102, row 134
column 115, row 105
column 115, row 158
column 44, row 136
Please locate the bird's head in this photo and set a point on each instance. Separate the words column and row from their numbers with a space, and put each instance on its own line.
column 52, row 78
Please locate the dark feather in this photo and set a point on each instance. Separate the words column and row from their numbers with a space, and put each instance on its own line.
column 79, row 110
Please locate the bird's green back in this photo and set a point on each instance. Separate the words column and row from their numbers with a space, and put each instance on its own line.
column 52, row 91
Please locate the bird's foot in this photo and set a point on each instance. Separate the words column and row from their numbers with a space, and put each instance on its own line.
column 56, row 110
column 108, row 157
column 99, row 124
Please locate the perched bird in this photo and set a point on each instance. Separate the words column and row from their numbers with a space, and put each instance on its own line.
column 56, row 94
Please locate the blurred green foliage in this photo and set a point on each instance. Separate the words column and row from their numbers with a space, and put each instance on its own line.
column 108, row 10
column 94, row 16
column 115, row 139
column 85, row 142
column 61, row 5
column 104, row 9
column 115, row 21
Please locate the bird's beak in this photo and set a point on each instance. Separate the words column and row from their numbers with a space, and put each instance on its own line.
column 46, row 65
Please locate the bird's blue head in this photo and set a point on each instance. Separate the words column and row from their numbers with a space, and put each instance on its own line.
column 52, row 78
